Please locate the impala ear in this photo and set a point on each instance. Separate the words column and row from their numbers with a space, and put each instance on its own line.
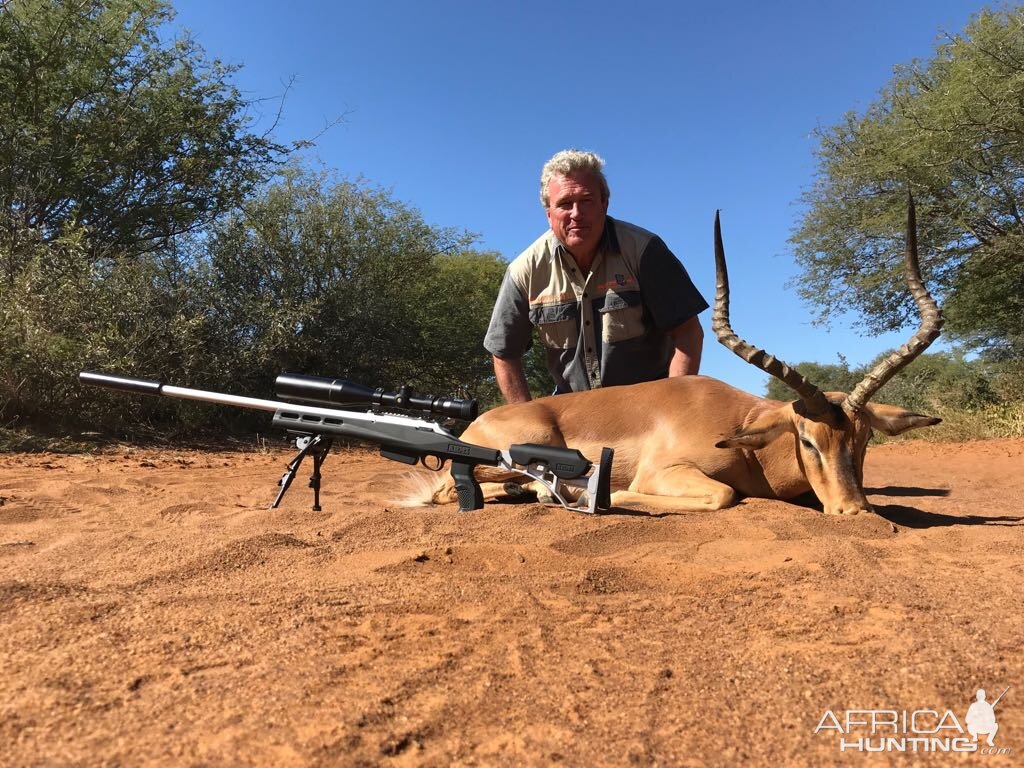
column 893, row 420
column 762, row 430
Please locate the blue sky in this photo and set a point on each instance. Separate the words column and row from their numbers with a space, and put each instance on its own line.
column 454, row 107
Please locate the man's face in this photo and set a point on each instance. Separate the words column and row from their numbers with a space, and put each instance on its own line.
column 576, row 212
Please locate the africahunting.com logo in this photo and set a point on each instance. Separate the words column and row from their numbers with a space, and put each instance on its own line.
column 919, row 730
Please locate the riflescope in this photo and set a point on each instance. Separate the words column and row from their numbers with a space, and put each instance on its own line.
column 342, row 393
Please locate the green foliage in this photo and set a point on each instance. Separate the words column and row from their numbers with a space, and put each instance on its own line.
column 310, row 276
column 106, row 127
column 138, row 234
column 338, row 278
column 950, row 130
column 940, row 381
column 1008, row 381
column 450, row 316
column 979, row 398
column 535, row 366
column 65, row 312
column 994, row 421
column 835, row 377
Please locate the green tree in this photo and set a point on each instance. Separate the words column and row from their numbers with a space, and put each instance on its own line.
column 828, row 377
column 951, row 129
column 338, row 278
column 940, row 382
column 108, row 127
column 312, row 275
column 65, row 312
column 450, row 312
column 936, row 381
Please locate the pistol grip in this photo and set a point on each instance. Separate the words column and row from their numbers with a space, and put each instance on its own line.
column 466, row 487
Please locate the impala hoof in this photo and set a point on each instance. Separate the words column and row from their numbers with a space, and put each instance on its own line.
column 850, row 510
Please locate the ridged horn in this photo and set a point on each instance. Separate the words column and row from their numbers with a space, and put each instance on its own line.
column 812, row 397
column 931, row 324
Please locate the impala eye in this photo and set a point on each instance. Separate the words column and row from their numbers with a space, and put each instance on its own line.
column 808, row 444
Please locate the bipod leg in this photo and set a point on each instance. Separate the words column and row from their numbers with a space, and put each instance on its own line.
column 309, row 444
column 319, row 456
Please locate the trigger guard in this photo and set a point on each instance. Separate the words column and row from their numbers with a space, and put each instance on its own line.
column 439, row 462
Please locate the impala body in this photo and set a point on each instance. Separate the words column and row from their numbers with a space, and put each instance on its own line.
column 694, row 442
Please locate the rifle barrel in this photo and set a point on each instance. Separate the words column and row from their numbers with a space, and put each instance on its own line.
column 148, row 387
column 121, row 383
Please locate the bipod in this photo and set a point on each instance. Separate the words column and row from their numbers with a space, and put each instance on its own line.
column 316, row 446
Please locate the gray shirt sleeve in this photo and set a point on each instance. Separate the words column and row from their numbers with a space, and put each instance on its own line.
column 510, row 333
column 668, row 292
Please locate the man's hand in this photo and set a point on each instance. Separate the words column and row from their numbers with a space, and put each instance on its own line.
column 688, row 339
column 511, row 379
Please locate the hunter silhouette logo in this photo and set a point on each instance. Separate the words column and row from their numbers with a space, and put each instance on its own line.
column 981, row 717
column 918, row 730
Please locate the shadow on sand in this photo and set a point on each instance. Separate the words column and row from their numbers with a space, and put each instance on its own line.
column 916, row 518
column 901, row 490
column 897, row 514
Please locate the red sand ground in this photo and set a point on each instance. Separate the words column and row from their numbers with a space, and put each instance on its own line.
column 154, row 612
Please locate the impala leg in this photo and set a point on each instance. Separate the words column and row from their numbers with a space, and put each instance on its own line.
column 492, row 491
column 495, row 483
column 682, row 486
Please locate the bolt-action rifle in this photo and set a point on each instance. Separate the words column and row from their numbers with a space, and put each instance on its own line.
column 404, row 425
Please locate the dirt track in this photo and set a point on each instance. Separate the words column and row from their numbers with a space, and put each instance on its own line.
column 153, row 612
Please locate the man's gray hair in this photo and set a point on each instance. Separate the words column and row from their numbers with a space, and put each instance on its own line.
column 572, row 161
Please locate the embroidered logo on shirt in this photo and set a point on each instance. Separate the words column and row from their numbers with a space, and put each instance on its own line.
column 620, row 281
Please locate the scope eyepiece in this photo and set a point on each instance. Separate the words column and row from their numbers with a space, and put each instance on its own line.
column 343, row 393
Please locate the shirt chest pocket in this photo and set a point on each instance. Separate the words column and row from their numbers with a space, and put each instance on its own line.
column 557, row 325
column 622, row 317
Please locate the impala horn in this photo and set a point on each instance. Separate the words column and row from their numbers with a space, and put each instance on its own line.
column 812, row 397
column 931, row 324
